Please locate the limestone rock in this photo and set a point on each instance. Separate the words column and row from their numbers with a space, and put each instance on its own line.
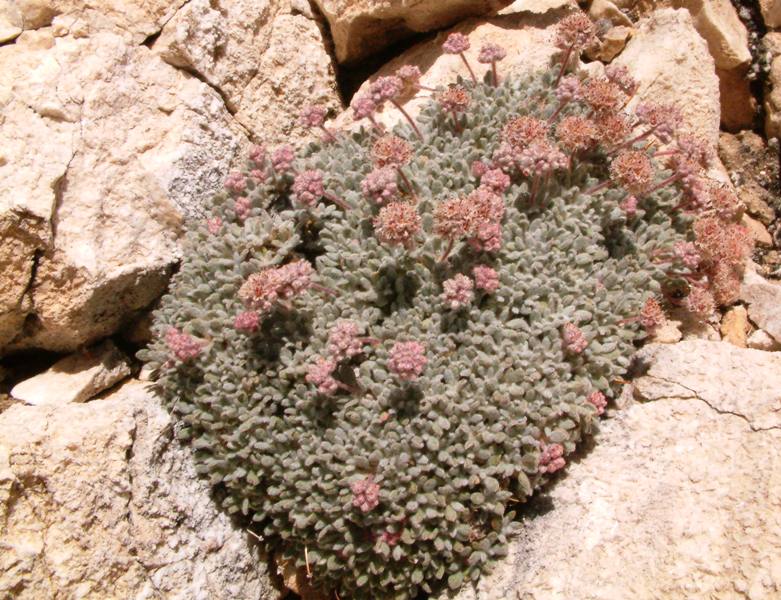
column 735, row 326
column 673, row 66
column 772, row 42
column 266, row 61
column 98, row 501
column 679, row 498
column 11, row 22
column 758, row 231
column 363, row 27
column 75, row 378
column 669, row 333
column 605, row 9
column 754, row 170
column 124, row 145
column 738, row 105
column 760, row 340
column 611, row 44
column 764, row 302
column 771, row 12
column 536, row 7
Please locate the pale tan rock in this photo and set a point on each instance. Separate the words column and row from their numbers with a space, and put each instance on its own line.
column 763, row 299
column 124, row 145
column 738, row 104
column 75, row 378
column 773, row 93
column 669, row 333
column 761, row 340
column 672, row 64
column 605, row 9
column 758, row 231
column 611, row 44
column 11, row 23
column 771, row 12
column 363, row 27
column 267, row 61
column 735, row 326
column 679, row 498
column 98, row 500
column 536, row 7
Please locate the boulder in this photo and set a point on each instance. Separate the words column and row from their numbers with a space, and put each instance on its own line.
column 124, row 146
column 760, row 340
column 98, row 500
column 363, row 27
column 738, row 104
column 735, row 326
column 11, row 22
column 75, row 378
column 267, row 60
column 771, row 12
column 763, row 299
column 772, row 43
column 679, row 498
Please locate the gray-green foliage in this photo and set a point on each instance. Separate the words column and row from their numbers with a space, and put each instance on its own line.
column 455, row 450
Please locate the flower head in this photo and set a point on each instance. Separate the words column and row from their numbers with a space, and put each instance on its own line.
column 320, row 373
column 598, row 400
column 308, row 187
column 407, row 360
column 612, row 128
column 456, row 43
column 576, row 133
column 214, row 225
column 573, row 339
column 551, row 458
column 602, row 95
column 687, row 253
column 540, row 158
column 724, row 203
column 629, row 206
column 391, row 150
column 663, row 119
column 486, row 278
column 633, row 170
column 454, row 99
column 491, row 53
column 182, row 345
column 410, row 77
column 398, row 223
column 257, row 154
column 312, row 116
column 652, row 315
column 487, row 237
column 363, row 106
column 344, row 341
column 385, row 88
column 247, row 321
column 458, row 292
column 619, row 75
column 495, row 180
column 700, row 302
column 241, row 207
column 282, row 158
column 381, row 185
column 522, row 131
column 262, row 290
column 569, row 89
column 236, row 182
column 575, row 31
column 366, row 494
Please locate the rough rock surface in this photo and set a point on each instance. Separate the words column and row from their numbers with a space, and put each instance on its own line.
column 738, row 104
column 363, row 27
column 771, row 12
column 760, row 340
column 97, row 501
column 124, row 144
column 267, row 60
column 735, row 326
column 763, row 299
column 680, row 498
column 772, row 42
column 10, row 20
column 75, row 378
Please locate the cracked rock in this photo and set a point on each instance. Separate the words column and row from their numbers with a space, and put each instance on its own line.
column 98, row 501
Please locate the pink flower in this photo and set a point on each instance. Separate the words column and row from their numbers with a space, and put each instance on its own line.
column 541, row 158
column 652, row 315
column 629, row 206
column 486, row 278
column 398, row 223
column 242, row 207
column 262, row 290
column 308, row 187
column 552, row 458
column 633, row 170
column 257, row 154
column 598, row 400
column 619, row 75
column 603, row 96
column 409, row 74
column 569, row 89
column 407, row 360
column 573, row 339
column 381, row 185
column 479, row 168
column 700, row 302
column 236, row 182
column 247, row 321
column 282, row 158
column 390, row 538
column 320, row 373
column 664, row 119
column 455, row 99
column 575, row 32
column 687, row 253
column 458, row 292
column 522, row 131
column 576, row 133
column 391, row 150
column 456, row 43
column 491, row 53
column 258, row 175
column 366, row 493
column 312, row 116
column 214, row 225
column 495, row 180
column 488, row 237
column 386, row 88
column 343, row 341
column 363, row 106
column 182, row 345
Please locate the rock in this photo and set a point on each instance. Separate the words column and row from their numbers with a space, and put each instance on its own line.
column 363, row 27
column 75, row 378
column 772, row 41
column 760, row 340
column 134, row 19
column 611, row 44
column 535, row 7
column 669, row 333
column 673, row 66
column 771, row 12
column 754, row 170
column 99, row 501
column 125, row 145
column 605, row 9
column 758, row 231
column 763, row 300
column 735, row 326
column 738, row 105
column 267, row 62
column 679, row 498
column 11, row 22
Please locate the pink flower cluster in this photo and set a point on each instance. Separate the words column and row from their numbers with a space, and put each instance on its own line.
column 214, row 225
column 261, row 291
column 247, row 321
column 363, row 107
column 633, row 170
column 598, row 400
column 573, row 339
column 407, row 360
column 575, row 32
column 236, row 182
column 182, row 345
column 455, row 99
column 242, row 207
column 541, row 158
column 663, row 119
column 397, row 224
column 687, row 253
column 495, row 180
column 569, row 89
column 391, row 150
column 312, row 116
column 320, row 374
column 381, row 185
column 366, row 494
column 282, row 158
column 491, row 53
column 456, row 43
column 652, row 315
column 477, row 216
column 385, row 88
column 486, row 278
column 552, row 458
column 344, row 341
column 308, row 187
column 458, row 292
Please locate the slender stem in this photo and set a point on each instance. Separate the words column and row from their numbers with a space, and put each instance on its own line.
column 338, row 201
column 469, row 68
column 557, row 111
column 329, row 135
column 447, row 251
column 406, row 181
column 324, row 289
column 632, row 141
column 664, row 182
column 563, row 65
column 597, row 187
column 409, row 119
column 495, row 73
column 533, row 192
